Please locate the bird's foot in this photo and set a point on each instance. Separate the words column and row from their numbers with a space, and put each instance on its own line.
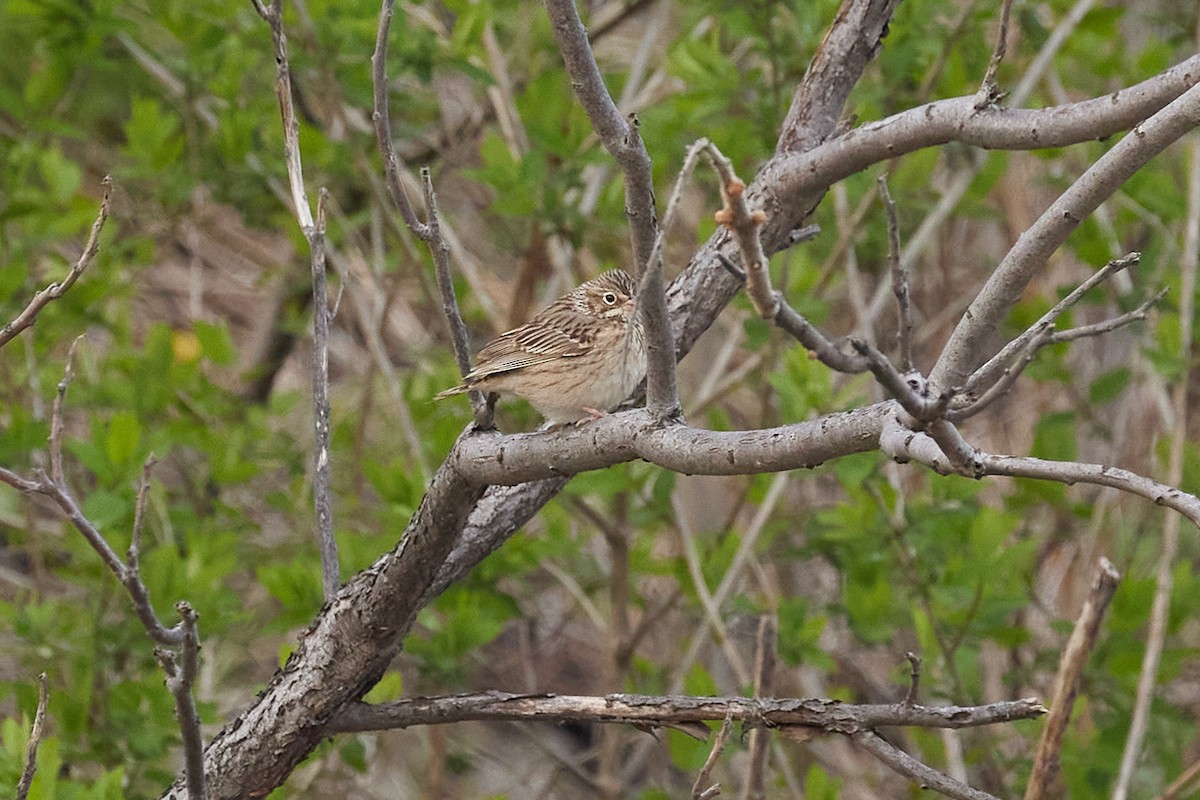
column 592, row 415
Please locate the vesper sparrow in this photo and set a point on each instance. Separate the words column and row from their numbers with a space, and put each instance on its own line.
column 576, row 359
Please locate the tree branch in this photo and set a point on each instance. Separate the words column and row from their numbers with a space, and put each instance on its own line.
column 656, row 711
column 1066, row 682
column 35, row 739
column 904, row 445
column 314, row 234
column 621, row 139
column 926, row 776
column 429, row 232
column 54, row 291
column 699, row 790
column 494, row 458
column 1029, row 255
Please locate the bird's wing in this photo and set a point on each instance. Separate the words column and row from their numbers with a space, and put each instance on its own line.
column 530, row 344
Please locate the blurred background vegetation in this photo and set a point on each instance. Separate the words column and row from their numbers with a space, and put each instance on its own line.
column 196, row 321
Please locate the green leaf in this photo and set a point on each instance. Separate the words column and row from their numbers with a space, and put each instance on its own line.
column 215, row 342
column 105, row 508
column 121, row 441
column 61, row 175
column 1105, row 388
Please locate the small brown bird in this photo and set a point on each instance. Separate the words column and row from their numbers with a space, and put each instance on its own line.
column 576, row 359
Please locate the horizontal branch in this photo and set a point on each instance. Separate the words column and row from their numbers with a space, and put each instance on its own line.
column 995, row 128
column 492, row 458
column 654, row 710
column 904, row 445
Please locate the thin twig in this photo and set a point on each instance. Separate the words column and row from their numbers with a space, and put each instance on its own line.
column 926, row 776
column 1066, row 682
column 764, row 686
column 322, row 434
column 1180, row 787
column 458, row 329
column 745, row 224
column 1048, row 337
column 899, row 273
column 56, row 414
column 905, row 445
column 383, row 126
column 429, row 232
column 989, row 94
column 314, row 233
column 914, row 676
column 987, row 374
column 139, row 513
column 54, row 291
column 702, row 789
column 1109, row 325
column 35, row 739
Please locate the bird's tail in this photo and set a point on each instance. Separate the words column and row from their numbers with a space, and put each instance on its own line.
column 460, row 389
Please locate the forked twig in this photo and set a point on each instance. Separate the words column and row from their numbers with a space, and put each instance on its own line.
column 314, row 234
column 430, row 231
column 702, row 789
column 989, row 93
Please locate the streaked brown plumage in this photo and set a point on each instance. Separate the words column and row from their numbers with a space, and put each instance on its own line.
column 582, row 354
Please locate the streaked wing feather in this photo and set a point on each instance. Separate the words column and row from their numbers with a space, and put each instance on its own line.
column 526, row 346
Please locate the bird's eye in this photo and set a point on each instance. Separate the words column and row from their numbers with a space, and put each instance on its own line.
column 610, row 299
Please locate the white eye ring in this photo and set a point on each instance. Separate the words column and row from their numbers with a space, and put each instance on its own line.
column 610, row 298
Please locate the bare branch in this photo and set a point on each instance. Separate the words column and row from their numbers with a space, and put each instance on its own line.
column 1029, row 255
column 989, row 93
column 56, row 290
column 764, row 686
column 431, row 232
column 987, row 375
column 926, row 776
column 905, row 445
column 660, row 710
column 1066, row 682
column 899, row 272
column 621, row 139
column 790, row 185
column 914, row 676
column 851, row 42
column 1049, row 337
column 699, row 789
column 314, row 233
column 35, row 739
column 322, row 433
column 1109, row 325
column 1182, row 786
column 180, row 680
column 497, row 459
